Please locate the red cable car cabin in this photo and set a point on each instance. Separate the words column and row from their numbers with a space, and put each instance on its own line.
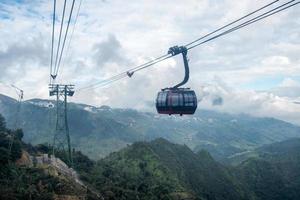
column 176, row 100
column 182, row 101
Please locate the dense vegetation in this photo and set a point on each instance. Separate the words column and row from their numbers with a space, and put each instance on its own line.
column 274, row 172
column 21, row 180
column 162, row 170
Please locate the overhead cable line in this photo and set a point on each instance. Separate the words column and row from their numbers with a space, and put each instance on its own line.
column 251, row 21
column 150, row 64
column 59, row 39
column 227, row 25
column 123, row 74
column 162, row 58
column 237, row 27
column 52, row 42
column 65, row 38
column 72, row 33
column 104, row 83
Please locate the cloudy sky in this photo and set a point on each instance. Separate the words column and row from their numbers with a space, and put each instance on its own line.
column 255, row 70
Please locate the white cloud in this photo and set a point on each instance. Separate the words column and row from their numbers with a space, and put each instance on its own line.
column 262, row 104
column 287, row 88
column 288, row 82
column 111, row 36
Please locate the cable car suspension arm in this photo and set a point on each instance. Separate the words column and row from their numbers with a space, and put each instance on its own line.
column 181, row 50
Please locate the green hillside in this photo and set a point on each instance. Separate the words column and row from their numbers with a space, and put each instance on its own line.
column 274, row 173
column 162, row 170
column 21, row 179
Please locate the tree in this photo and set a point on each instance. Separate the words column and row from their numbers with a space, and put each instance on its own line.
column 3, row 156
column 2, row 123
column 19, row 134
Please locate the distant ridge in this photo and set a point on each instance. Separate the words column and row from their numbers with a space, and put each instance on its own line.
column 98, row 131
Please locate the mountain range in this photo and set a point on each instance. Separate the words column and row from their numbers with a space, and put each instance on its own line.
column 98, row 131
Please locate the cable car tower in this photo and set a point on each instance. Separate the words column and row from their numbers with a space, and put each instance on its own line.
column 16, row 124
column 61, row 140
column 20, row 94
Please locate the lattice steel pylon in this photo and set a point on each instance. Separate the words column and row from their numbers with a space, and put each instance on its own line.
column 61, row 140
column 16, row 124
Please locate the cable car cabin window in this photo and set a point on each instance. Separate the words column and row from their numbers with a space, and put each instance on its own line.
column 181, row 100
column 161, row 99
column 175, row 99
column 158, row 101
column 189, row 99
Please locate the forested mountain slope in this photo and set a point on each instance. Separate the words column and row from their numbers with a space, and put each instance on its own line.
column 162, row 170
